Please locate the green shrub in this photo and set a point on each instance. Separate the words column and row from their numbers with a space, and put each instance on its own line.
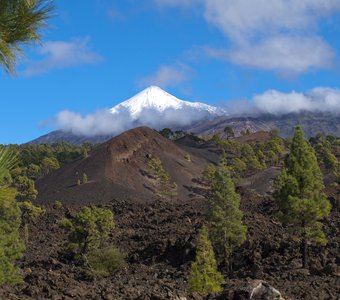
column 334, row 184
column 204, row 276
column 11, row 246
column 29, row 214
column 168, row 188
column 57, row 204
column 88, row 229
column 104, row 262
column 187, row 157
column 208, row 173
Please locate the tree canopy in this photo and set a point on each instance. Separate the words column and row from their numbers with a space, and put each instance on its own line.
column 299, row 193
column 21, row 22
column 226, row 227
column 204, row 276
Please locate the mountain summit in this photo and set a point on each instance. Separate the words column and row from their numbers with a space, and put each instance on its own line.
column 155, row 99
column 152, row 107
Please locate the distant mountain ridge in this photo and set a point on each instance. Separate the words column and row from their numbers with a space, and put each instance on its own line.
column 311, row 123
column 157, row 109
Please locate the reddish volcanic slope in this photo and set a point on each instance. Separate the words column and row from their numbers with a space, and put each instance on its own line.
column 118, row 169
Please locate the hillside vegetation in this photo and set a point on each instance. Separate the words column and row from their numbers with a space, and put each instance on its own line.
column 145, row 216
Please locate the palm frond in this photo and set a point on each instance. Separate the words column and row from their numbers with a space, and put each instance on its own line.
column 21, row 22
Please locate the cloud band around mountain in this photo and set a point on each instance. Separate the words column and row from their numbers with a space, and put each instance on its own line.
column 103, row 122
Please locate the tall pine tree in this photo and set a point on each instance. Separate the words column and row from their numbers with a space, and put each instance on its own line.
column 225, row 217
column 299, row 195
column 204, row 276
column 11, row 246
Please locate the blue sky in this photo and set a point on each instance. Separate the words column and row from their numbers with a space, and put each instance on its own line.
column 97, row 53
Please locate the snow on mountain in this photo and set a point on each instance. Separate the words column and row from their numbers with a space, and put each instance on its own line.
column 154, row 98
column 152, row 107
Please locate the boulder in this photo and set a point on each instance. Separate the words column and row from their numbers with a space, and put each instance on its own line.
column 253, row 290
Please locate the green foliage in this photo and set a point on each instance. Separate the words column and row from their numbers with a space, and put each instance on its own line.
column 247, row 159
column 49, row 164
column 26, row 188
column 168, row 188
column 8, row 161
column 276, row 145
column 261, row 158
column 299, row 191
column 216, row 138
column 229, row 132
column 330, row 161
column 78, row 182
column 156, row 166
column 237, row 169
column 208, row 173
column 33, row 171
column 187, row 157
column 204, row 276
column 29, row 214
column 103, row 262
column 250, row 159
column 179, row 134
column 57, row 204
column 88, row 229
column 11, row 247
column 272, row 157
column 36, row 161
column 167, row 133
column 20, row 22
column 225, row 217
column 324, row 147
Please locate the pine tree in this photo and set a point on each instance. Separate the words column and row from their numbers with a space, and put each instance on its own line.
column 8, row 161
column 29, row 214
column 204, row 276
column 26, row 188
column 88, row 229
column 20, row 22
column 249, row 157
column 225, row 217
column 229, row 132
column 299, row 195
column 11, row 246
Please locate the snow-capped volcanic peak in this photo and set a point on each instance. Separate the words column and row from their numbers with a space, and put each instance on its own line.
column 155, row 99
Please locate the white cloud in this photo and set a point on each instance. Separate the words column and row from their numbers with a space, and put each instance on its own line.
column 60, row 55
column 319, row 99
column 244, row 19
column 104, row 122
column 167, row 75
column 281, row 54
column 101, row 122
column 276, row 35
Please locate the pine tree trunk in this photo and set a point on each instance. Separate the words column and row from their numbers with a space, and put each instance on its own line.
column 304, row 252
column 231, row 263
